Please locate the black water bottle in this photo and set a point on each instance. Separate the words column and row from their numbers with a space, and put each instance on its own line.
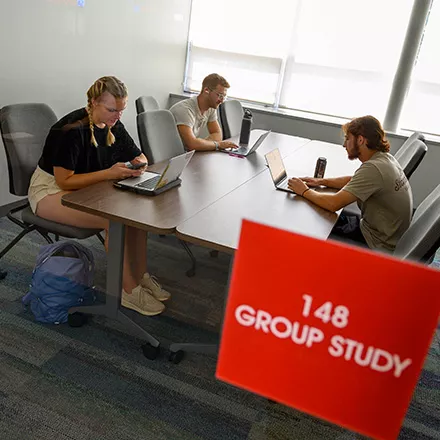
column 246, row 126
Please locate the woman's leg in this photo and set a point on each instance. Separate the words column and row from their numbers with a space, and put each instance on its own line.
column 50, row 208
column 141, row 300
column 136, row 248
column 136, row 263
column 135, row 253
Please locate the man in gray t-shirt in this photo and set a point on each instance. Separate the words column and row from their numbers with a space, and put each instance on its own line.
column 384, row 198
column 193, row 114
column 379, row 186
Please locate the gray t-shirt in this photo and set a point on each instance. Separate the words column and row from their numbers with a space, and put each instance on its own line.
column 384, row 198
column 187, row 112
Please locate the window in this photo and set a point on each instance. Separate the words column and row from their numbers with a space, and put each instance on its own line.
column 334, row 57
column 344, row 56
column 242, row 40
column 422, row 105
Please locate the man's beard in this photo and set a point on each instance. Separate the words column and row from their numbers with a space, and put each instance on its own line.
column 355, row 154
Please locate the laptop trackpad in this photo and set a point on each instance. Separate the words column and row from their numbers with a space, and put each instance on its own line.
column 135, row 180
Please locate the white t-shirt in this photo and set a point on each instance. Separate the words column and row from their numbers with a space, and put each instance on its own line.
column 187, row 112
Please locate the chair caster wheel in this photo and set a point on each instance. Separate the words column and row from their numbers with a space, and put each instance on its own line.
column 77, row 319
column 150, row 352
column 176, row 356
column 213, row 254
column 190, row 273
column 3, row 274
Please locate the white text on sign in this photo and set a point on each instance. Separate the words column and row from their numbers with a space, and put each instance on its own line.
column 302, row 334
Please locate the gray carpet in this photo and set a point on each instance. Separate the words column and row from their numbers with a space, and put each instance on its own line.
column 94, row 383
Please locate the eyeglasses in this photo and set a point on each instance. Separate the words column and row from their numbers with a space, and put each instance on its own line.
column 221, row 96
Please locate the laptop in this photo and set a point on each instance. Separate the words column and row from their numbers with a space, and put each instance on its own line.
column 277, row 170
column 245, row 150
column 153, row 184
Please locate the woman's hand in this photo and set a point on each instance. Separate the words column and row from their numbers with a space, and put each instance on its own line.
column 138, row 160
column 120, row 171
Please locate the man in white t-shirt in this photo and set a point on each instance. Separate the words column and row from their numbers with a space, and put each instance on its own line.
column 379, row 186
column 193, row 114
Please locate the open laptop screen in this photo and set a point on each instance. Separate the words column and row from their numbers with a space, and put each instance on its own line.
column 276, row 166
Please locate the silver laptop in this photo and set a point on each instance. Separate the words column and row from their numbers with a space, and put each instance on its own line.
column 153, row 183
column 245, row 150
column 277, row 170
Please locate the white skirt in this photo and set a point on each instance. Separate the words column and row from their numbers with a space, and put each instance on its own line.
column 42, row 184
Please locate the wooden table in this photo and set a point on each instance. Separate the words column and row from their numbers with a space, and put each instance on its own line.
column 218, row 226
column 208, row 178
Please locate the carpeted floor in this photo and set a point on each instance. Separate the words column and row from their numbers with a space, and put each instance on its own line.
column 94, row 383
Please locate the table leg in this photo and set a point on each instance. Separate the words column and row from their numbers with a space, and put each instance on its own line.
column 115, row 260
column 192, row 270
column 178, row 350
column 112, row 307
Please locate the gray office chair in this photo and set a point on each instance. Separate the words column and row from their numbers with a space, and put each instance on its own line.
column 409, row 156
column 231, row 115
column 411, row 153
column 161, row 141
column 145, row 103
column 158, row 135
column 413, row 137
column 422, row 239
column 24, row 128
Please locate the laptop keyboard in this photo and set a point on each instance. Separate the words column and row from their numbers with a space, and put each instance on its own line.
column 284, row 184
column 150, row 183
column 240, row 150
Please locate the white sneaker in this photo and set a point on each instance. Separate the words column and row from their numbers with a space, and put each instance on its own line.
column 150, row 284
column 142, row 302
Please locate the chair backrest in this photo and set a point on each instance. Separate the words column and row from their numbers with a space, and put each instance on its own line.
column 231, row 116
column 413, row 137
column 158, row 135
column 24, row 128
column 411, row 153
column 422, row 238
column 145, row 103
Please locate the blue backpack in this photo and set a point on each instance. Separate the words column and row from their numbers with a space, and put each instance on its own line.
column 62, row 278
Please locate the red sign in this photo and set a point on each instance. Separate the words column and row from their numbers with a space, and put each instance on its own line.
column 334, row 331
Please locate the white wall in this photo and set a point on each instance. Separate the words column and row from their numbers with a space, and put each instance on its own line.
column 423, row 181
column 53, row 50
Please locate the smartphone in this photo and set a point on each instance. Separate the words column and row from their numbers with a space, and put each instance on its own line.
column 135, row 166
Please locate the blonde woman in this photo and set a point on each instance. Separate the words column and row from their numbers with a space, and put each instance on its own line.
column 87, row 146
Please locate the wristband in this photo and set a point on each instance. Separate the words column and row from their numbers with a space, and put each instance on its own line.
column 302, row 195
column 216, row 145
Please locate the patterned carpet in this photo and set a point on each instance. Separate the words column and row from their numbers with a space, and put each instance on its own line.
column 94, row 383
